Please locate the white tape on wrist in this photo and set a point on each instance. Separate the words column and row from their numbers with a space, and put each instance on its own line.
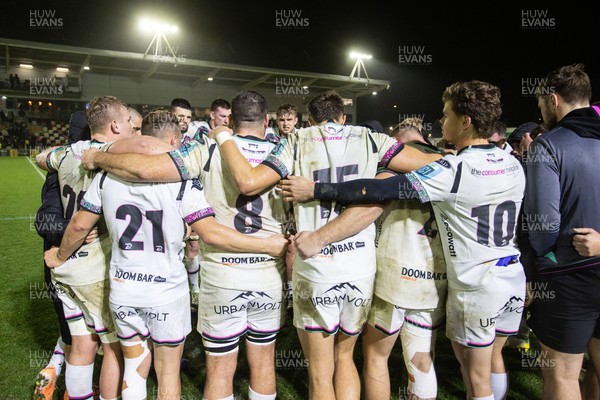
column 222, row 137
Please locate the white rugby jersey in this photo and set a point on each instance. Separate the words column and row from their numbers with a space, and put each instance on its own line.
column 411, row 270
column 476, row 196
column 261, row 215
column 333, row 153
column 89, row 264
column 146, row 225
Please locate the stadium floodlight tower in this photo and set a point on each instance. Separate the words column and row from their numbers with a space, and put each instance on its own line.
column 162, row 47
column 359, row 64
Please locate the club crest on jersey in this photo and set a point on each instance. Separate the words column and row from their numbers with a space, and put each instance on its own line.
column 429, row 171
column 443, row 163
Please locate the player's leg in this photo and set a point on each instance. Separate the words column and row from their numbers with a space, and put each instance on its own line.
column 476, row 367
column 46, row 378
column 318, row 350
column 265, row 317
column 354, row 305
column 135, row 347
column 221, row 322
column 168, row 334
column 471, row 331
column 261, row 362
column 95, row 305
column 377, row 347
column 499, row 377
column 111, row 371
column 137, row 359
column 345, row 377
column 84, row 346
column 418, row 337
column 167, row 362
column 380, row 334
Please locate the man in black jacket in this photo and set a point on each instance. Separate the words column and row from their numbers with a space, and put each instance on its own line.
column 562, row 195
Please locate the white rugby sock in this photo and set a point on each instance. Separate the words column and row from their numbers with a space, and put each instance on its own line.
column 78, row 380
column 58, row 357
column 252, row 395
column 499, row 385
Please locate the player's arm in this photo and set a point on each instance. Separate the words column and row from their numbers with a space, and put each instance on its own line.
column 542, row 197
column 411, row 159
column 215, row 234
column 77, row 230
column 139, row 144
column 250, row 180
column 359, row 191
column 41, row 159
column 133, row 167
column 351, row 221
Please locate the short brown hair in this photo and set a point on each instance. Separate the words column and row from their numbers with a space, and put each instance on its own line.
column 102, row 110
column 478, row 100
column 160, row 123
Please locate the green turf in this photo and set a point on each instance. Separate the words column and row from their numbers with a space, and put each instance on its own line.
column 29, row 330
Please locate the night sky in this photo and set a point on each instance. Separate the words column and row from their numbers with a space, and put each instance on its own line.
column 421, row 49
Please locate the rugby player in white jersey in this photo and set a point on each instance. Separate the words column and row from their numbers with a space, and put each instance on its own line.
column 83, row 279
column 333, row 290
column 410, row 283
column 476, row 196
column 149, row 296
column 245, row 297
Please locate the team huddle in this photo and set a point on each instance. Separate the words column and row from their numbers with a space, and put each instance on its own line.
column 365, row 235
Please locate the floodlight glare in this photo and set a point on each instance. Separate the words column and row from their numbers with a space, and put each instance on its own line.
column 162, row 47
column 361, row 56
column 359, row 63
column 154, row 26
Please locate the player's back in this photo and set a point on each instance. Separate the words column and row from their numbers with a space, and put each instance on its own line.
column 73, row 178
column 333, row 153
column 89, row 263
column 260, row 215
column 146, row 225
column 413, row 274
column 479, row 216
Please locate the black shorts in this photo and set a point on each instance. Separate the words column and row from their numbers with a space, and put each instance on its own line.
column 565, row 313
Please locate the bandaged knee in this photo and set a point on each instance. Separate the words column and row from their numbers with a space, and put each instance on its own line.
column 134, row 354
column 420, row 383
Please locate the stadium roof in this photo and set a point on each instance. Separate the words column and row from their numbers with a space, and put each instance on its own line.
column 140, row 67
